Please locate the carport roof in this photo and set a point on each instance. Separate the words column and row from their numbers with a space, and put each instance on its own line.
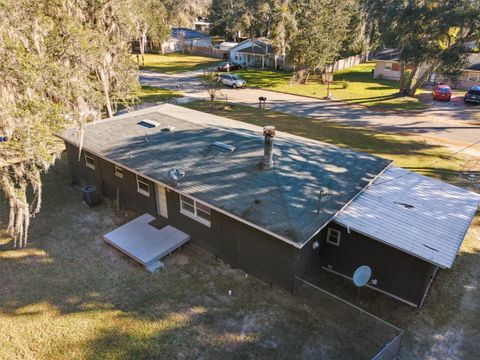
column 310, row 182
column 416, row 214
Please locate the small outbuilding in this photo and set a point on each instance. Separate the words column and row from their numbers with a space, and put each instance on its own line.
column 278, row 206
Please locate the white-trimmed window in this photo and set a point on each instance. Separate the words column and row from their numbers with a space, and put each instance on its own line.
column 89, row 161
column 142, row 186
column 473, row 76
column 195, row 210
column 119, row 172
column 333, row 236
column 388, row 66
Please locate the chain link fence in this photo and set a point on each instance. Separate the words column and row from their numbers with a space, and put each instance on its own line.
column 350, row 332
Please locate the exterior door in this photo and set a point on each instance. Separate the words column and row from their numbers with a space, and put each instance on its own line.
column 162, row 209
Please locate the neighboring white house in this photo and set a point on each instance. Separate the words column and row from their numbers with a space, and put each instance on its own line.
column 227, row 46
column 202, row 24
column 185, row 37
column 388, row 67
column 257, row 52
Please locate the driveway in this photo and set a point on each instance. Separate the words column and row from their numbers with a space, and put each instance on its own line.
column 453, row 126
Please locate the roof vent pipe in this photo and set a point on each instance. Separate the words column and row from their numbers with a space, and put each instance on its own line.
column 269, row 133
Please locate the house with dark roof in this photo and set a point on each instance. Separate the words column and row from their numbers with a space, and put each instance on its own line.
column 258, row 52
column 182, row 37
column 387, row 66
column 278, row 206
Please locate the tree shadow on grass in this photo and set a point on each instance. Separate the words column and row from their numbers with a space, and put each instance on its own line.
column 89, row 291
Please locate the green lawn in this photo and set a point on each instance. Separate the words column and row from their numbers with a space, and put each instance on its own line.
column 408, row 152
column 449, row 317
column 152, row 94
column 71, row 296
column 362, row 88
column 177, row 62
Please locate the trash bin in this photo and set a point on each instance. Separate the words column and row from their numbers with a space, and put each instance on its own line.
column 91, row 195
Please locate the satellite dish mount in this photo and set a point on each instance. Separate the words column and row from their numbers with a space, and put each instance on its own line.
column 175, row 175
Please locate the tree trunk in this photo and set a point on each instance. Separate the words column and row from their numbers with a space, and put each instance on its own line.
column 212, row 103
column 106, row 90
column 306, row 76
column 408, row 83
column 419, row 83
column 143, row 42
column 401, row 88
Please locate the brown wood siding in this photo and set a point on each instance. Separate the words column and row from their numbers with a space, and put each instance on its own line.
column 397, row 273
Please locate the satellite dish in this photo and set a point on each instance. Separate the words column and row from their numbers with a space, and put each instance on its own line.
column 362, row 275
column 176, row 174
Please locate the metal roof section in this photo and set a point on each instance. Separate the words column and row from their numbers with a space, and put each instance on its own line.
column 188, row 34
column 309, row 183
column 416, row 214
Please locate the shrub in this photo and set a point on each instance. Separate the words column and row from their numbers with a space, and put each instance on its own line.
column 345, row 84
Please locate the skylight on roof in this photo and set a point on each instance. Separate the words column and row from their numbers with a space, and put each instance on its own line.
column 148, row 123
column 222, row 146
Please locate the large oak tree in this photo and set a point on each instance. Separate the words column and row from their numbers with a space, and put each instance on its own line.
column 63, row 63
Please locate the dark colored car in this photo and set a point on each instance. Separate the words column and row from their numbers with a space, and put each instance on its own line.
column 442, row 92
column 473, row 95
column 228, row 66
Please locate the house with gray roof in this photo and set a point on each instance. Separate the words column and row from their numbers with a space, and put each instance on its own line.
column 182, row 37
column 278, row 206
column 258, row 52
column 387, row 66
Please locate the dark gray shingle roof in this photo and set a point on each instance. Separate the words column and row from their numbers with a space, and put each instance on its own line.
column 284, row 201
column 261, row 46
column 388, row 54
column 473, row 62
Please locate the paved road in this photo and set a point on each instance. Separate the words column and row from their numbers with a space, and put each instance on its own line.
column 455, row 127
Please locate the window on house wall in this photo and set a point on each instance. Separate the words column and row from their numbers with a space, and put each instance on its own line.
column 119, row 171
column 388, row 66
column 142, row 186
column 89, row 161
column 473, row 77
column 333, row 236
column 194, row 209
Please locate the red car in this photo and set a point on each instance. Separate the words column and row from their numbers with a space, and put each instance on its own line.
column 442, row 92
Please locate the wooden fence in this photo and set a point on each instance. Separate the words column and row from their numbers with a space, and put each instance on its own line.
column 207, row 51
column 349, row 62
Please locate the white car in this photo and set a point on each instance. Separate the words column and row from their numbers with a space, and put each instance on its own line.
column 232, row 80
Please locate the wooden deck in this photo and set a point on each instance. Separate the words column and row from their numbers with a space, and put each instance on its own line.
column 145, row 243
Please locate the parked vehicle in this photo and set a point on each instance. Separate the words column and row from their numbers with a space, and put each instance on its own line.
column 442, row 92
column 232, row 80
column 228, row 66
column 473, row 95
